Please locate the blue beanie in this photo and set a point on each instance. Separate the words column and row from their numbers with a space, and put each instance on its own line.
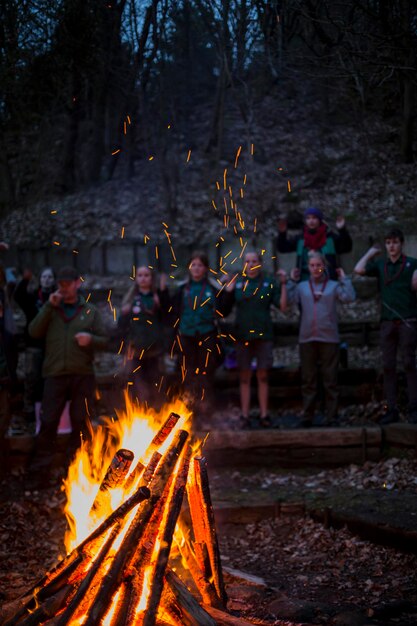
column 314, row 211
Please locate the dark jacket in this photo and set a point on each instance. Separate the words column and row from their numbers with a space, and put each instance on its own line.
column 63, row 355
column 142, row 328
column 31, row 302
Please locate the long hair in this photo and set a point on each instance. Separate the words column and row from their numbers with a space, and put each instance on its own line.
column 134, row 289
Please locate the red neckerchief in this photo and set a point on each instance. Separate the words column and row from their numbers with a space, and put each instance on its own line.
column 317, row 296
column 315, row 240
column 255, row 291
column 388, row 279
column 198, row 301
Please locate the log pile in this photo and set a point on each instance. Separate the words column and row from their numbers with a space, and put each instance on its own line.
column 145, row 564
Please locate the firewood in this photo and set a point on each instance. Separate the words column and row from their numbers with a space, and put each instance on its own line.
column 165, row 430
column 204, row 586
column 149, row 470
column 76, row 603
column 48, row 609
column 202, row 516
column 133, row 476
column 56, row 578
column 225, row 619
column 125, row 553
column 174, row 508
column 193, row 613
column 114, row 477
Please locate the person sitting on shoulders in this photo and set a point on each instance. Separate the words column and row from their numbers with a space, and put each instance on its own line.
column 317, row 237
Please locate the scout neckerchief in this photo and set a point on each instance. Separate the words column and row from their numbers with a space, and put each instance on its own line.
column 143, row 308
column 390, row 279
column 255, row 291
column 197, row 300
column 68, row 318
column 317, row 295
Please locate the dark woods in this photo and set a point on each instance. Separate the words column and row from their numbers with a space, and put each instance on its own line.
column 89, row 87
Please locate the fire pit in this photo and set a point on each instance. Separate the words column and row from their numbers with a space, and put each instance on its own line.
column 142, row 545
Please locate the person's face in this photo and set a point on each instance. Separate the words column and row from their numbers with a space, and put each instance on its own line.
column 46, row 279
column 197, row 269
column 312, row 221
column 316, row 268
column 393, row 247
column 68, row 290
column 252, row 264
column 144, row 278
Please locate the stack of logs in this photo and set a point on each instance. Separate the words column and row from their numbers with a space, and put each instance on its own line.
column 117, row 579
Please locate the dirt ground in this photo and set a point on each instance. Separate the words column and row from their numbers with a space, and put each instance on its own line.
column 308, row 574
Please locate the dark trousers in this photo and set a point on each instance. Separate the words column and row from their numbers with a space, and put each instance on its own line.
column 199, row 359
column 33, row 384
column 80, row 391
column 402, row 335
column 327, row 354
column 145, row 378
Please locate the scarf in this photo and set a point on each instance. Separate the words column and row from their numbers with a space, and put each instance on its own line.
column 315, row 239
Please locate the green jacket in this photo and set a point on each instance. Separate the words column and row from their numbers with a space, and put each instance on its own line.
column 253, row 298
column 63, row 355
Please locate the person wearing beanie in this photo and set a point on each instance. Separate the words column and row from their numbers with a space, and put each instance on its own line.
column 317, row 237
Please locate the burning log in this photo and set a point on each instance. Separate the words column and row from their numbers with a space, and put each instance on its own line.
column 114, row 477
column 166, row 542
column 165, row 430
column 76, row 603
column 193, row 614
column 57, row 578
column 203, row 585
column 125, row 554
column 204, row 527
column 101, row 581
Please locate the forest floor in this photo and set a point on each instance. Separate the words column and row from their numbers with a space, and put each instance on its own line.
column 282, row 570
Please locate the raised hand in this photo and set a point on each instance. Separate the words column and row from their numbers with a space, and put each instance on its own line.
column 282, row 275
column 83, row 339
column 340, row 273
column 295, row 274
column 55, row 298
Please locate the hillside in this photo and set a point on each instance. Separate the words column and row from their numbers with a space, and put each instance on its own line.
column 345, row 164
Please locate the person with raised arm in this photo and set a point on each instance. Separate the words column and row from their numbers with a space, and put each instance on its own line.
column 319, row 334
column 397, row 284
column 316, row 237
column 254, row 291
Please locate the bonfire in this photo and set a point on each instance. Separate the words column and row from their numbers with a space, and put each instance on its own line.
column 141, row 546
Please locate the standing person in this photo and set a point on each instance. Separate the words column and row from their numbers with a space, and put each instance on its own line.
column 73, row 330
column 8, row 326
column 31, row 301
column 254, row 292
column 397, row 283
column 319, row 334
column 197, row 307
column 141, row 322
column 316, row 236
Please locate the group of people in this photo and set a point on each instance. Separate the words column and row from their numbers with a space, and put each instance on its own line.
column 64, row 331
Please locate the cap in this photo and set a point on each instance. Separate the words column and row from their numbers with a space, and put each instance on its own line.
column 67, row 273
column 313, row 211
